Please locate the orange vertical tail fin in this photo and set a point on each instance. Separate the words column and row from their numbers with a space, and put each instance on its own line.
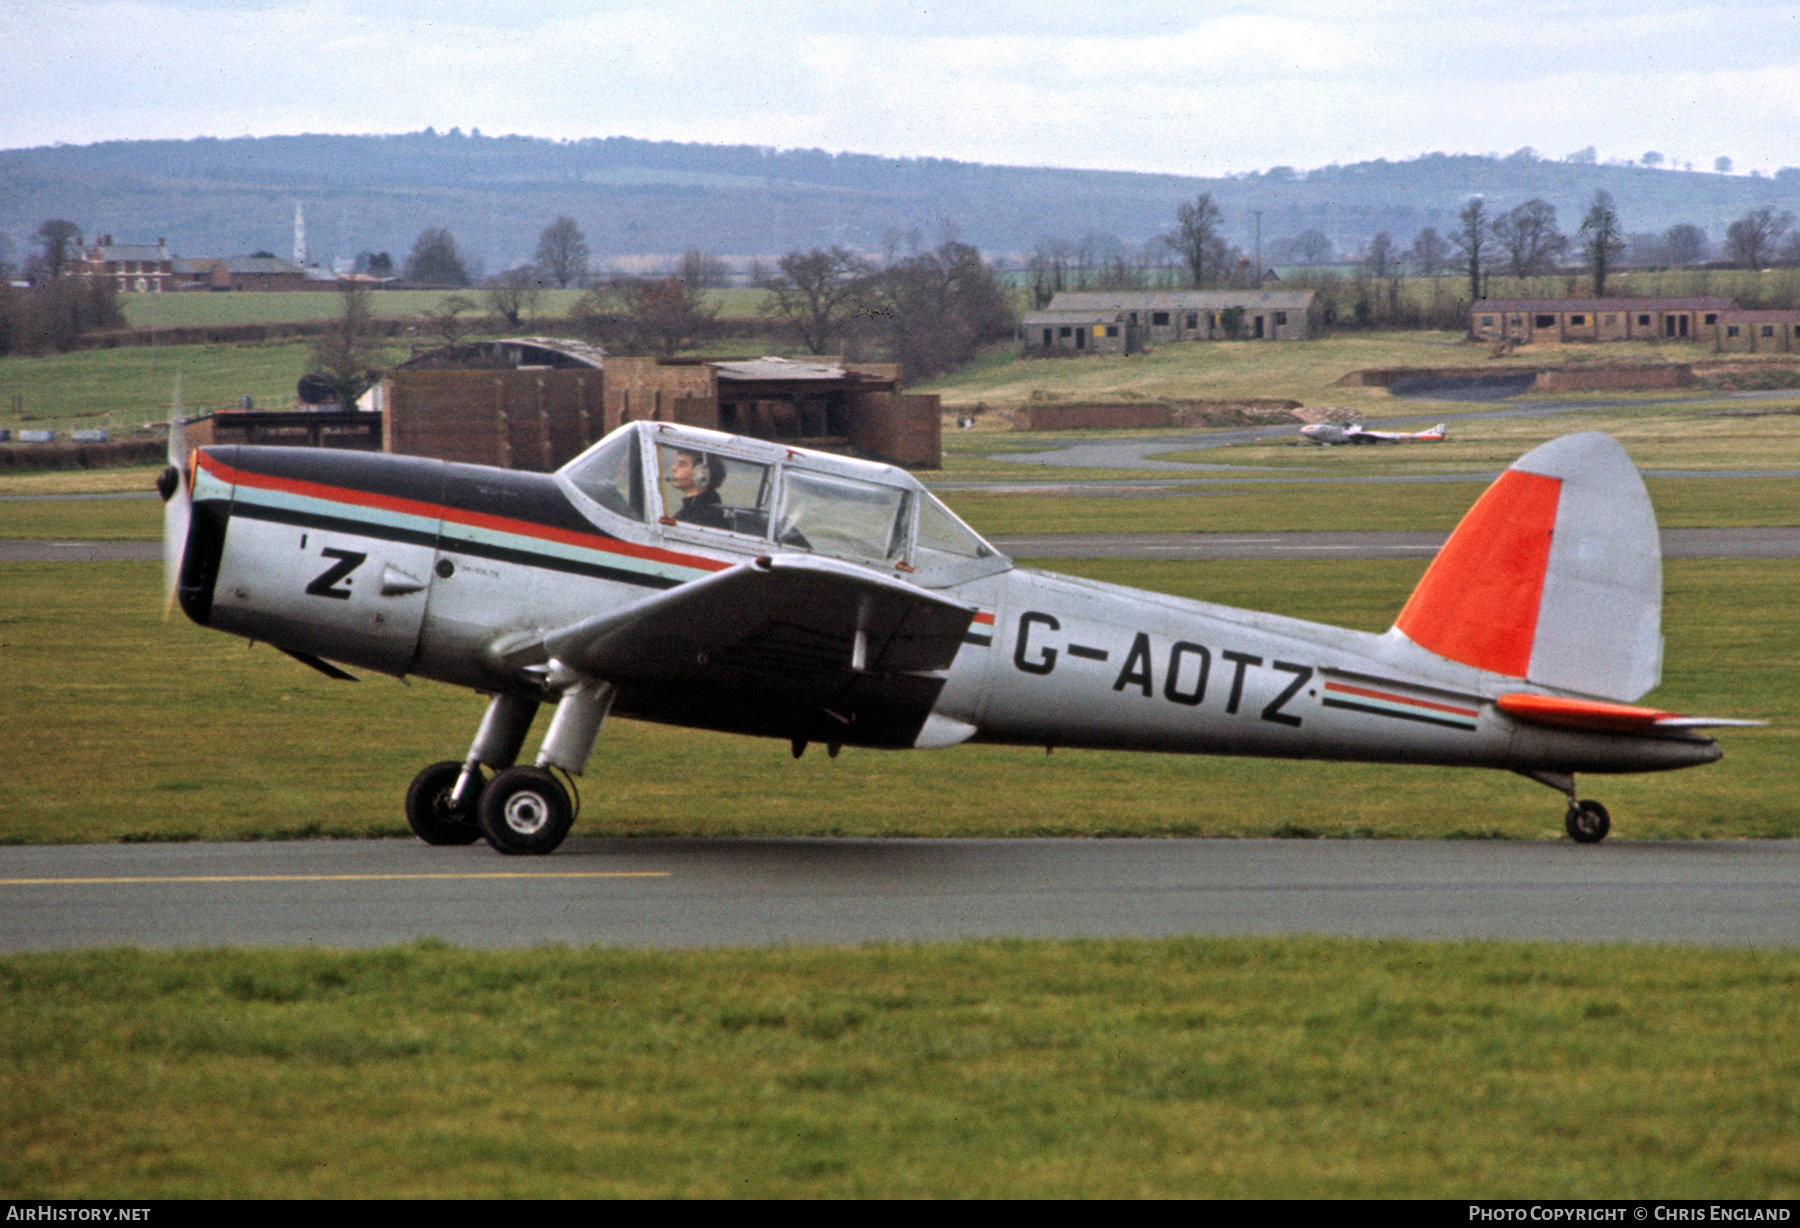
column 1554, row 576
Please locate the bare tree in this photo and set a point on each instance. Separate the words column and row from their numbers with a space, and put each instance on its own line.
column 1378, row 281
column 1602, row 238
column 58, row 240
column 1685, row 243
column 1471, row 241
column 54, row 314
column 435, row 261
column 703, row 270
column 444, row 321
column 938, row 308
column 348, row 351
column 1047, row 267
column 1097, row 249
column 562, row 252
column 1378, row 258
column 1307, row 247
column 645, row 315
column 513, row 294
column 1196, row 238
column 817, row 293
column 1430, row 252
column 1530, row 237
column 1752, row 239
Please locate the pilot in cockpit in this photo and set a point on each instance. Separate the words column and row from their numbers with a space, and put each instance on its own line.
column 698, row 476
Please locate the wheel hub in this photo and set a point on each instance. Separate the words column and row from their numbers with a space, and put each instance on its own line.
column 527, row 812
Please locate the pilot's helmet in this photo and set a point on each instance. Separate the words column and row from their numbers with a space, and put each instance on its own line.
column 709, row 470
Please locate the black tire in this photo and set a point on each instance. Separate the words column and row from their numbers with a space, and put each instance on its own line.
column 1587, row 822
column 429, row 812
column 525, row 810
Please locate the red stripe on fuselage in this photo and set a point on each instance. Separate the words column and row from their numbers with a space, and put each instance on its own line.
column 435, row 511
column 1408, row 700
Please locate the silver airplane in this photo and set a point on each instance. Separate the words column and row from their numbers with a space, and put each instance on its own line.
column 701, row 579
column 1357, row 433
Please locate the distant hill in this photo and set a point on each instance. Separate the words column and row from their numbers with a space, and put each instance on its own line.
column 645, row 201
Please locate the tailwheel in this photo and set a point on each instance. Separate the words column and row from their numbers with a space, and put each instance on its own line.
column 1587, row 822
column 525, row 810
column 430, row 812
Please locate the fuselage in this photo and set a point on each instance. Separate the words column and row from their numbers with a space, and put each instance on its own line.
column 459, row 573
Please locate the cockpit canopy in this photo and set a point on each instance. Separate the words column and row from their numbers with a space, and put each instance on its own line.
column 730, row 492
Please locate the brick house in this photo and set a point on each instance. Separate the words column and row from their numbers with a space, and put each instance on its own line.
column 132, row 267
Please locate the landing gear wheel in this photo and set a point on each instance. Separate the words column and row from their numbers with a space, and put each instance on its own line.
column 1587, row 822
column 525, row 810
column 429, row 811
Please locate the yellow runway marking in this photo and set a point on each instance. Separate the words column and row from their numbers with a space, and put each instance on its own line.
column 332, row 878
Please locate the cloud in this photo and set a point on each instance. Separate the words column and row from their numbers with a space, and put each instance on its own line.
column 1237, row 87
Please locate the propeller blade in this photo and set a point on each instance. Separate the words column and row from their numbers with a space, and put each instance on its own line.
column 177, row 504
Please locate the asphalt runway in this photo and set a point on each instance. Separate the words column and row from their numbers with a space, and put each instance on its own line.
column 763, row 892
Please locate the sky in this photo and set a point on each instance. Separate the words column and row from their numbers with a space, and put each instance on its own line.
column 1196, row 89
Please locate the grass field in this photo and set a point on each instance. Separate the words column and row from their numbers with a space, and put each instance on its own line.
column 302, row 306
column 133, row 385
column 126, row 387
column 1239, row 1068
column 1687, row 437
column 1302, row 371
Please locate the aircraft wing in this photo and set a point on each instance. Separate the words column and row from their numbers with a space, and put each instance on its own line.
column 757, row 643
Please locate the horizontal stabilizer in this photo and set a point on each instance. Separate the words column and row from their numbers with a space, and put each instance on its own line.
column 1601, row 717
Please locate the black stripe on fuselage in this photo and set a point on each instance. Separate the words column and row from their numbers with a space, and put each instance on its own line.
column 337, row 524
column 448, row 544
column 1465, row 725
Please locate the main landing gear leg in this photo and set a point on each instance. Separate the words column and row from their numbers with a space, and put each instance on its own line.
column 526, row 809
column 1586, row 821
column 442, row 804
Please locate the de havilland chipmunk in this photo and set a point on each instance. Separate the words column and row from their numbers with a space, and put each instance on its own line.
column 701, row 579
